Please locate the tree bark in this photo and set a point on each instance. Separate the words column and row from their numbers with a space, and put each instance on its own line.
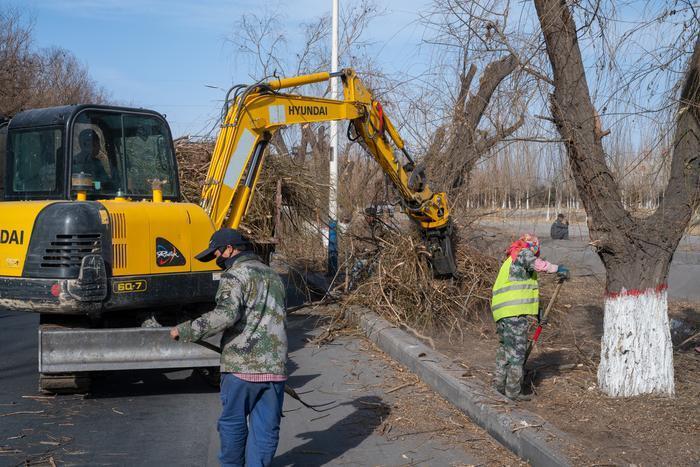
column 466, row 144
column 278, row 143
column 636, row 353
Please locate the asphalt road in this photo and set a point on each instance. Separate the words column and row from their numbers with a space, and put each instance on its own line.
column 168, row 418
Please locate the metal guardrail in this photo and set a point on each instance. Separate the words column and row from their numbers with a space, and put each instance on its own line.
column 74, row 350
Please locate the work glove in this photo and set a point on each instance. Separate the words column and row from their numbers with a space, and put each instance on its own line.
column 563, row 273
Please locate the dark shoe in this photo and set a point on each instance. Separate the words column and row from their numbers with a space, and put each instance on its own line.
column 521, row 397
column 502, row 390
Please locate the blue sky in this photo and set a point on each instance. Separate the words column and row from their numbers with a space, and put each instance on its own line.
column 162, row 54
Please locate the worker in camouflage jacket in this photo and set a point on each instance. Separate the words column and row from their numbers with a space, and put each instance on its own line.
column 250, row 311
column 515, row 304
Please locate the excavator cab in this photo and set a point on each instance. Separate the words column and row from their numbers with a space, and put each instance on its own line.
column 88, row 153
column 92, row 218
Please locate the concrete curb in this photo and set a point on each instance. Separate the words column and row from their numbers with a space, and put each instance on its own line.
column 537, row 445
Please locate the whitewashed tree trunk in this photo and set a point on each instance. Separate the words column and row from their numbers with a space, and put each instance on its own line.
column 636, row 352
column 549, row 198
column 527, row 199
column 636, row 355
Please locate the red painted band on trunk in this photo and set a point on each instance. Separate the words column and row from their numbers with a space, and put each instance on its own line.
column 636, row 292
column 537, row 334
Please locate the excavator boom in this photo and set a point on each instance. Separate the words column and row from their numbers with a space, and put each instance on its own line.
column 258, row 111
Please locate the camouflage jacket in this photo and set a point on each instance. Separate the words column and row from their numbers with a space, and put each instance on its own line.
column 250, row 312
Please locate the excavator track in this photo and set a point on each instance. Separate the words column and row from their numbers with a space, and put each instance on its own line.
column 68, row 383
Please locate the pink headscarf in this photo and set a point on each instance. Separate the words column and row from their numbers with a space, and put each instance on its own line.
column 528, row 241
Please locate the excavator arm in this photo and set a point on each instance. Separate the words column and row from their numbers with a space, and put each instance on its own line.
column 258, row 111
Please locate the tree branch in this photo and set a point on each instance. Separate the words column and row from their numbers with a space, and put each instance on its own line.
column 494, row 73
column 682, row 194
column 501, row 133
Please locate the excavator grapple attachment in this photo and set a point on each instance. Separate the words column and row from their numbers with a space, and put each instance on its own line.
column 442, row 254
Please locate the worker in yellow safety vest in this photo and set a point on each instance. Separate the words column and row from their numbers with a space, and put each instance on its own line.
column 515, row 304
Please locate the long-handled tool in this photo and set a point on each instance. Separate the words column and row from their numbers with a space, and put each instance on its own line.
column 287, row 389
column 543, row 320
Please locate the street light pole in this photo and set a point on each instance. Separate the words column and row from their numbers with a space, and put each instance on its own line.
column 333, row 169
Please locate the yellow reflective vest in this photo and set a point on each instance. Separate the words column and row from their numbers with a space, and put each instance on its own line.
column 514, row 298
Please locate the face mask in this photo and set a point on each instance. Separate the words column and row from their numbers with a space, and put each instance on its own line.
column 221, row 262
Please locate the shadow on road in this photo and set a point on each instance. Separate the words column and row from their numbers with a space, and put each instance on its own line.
column 325, row 445
column 146, row 383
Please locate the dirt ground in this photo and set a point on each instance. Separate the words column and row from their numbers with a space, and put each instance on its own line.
column 642, row 430
column 645, row 430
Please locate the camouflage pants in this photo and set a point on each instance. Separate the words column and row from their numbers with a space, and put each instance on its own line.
column 510, row 356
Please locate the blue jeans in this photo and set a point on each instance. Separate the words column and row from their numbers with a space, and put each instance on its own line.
column 249, row 425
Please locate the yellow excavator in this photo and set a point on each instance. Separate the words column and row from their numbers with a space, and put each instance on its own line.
column 93, row 229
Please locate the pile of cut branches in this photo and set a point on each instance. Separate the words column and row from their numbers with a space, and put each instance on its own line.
column 192, row 163
column 399, row 285
column 299, row 210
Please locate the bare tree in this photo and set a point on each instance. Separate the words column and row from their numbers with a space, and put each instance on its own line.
column 467, row 144
column 261, row 41
column 17, row 68
column 475, row 118
column 636, row 354
column 38, row 78
column 63, row 80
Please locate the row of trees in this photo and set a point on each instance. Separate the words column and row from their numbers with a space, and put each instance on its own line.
column 32, row 77
column 531, row 175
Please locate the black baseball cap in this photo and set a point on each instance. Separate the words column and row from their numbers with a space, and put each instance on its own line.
column 221, row 239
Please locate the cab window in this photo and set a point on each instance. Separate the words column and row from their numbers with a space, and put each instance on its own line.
column 118, row 153
column 34, row 156
column 92, row 162
column 149, row 157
